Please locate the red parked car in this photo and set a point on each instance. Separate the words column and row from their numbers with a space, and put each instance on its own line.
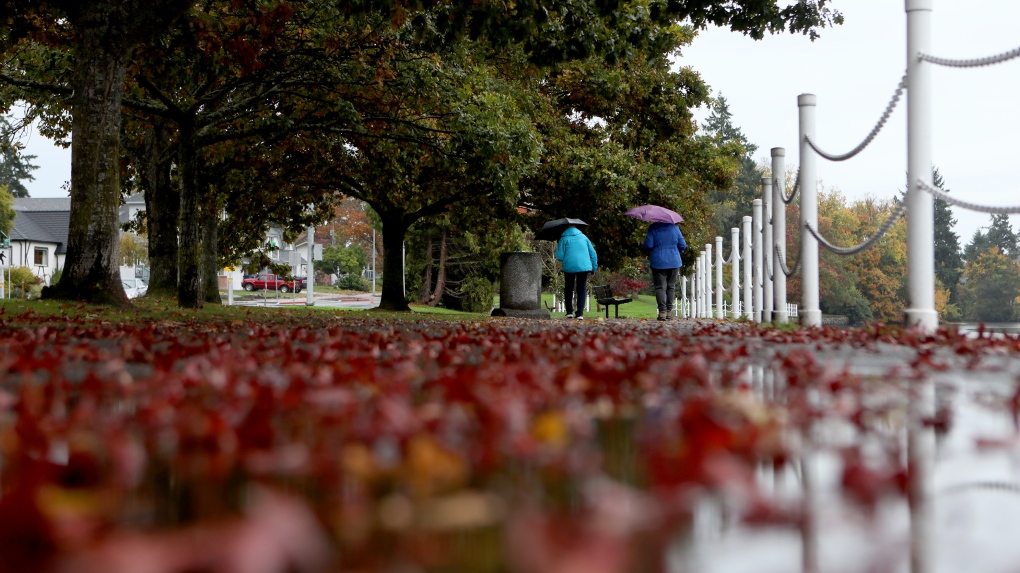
column 269, row 281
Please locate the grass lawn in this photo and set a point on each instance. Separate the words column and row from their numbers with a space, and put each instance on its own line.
column 643, row 306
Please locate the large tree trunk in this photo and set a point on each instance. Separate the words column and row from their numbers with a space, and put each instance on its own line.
column 92, row 269
column 105, row 31
column 437, row 294
column 394, row 231
column 210, row 259
column 189, row 285
column 162, row 205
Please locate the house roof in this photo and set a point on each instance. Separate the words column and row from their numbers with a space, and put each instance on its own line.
column 42, row 204
column 43, row 220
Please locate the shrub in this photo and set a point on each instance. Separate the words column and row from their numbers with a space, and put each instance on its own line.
column 477, row 294
column 353, row 281
column 24, row 276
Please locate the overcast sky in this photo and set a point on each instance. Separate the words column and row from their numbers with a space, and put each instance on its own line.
column 854, row 70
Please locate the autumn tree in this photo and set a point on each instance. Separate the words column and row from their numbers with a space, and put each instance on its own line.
column 7, row 213
column 730, row 204
column 991, row 285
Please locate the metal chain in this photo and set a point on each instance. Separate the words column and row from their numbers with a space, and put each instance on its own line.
column 874, row 132
column 782, row 263
column 965, row 205
column 975, row 63
column 869, row 242
column 793, row 194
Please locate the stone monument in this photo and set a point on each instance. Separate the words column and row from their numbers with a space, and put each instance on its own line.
column 520, row 286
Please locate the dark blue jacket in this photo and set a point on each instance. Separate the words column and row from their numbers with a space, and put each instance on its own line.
column 666, row 242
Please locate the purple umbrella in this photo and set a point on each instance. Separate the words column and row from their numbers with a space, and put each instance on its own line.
column 654, row 214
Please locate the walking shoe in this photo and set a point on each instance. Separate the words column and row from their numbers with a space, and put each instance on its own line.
column 569, row 316
column 580, row 318
column 663, row 316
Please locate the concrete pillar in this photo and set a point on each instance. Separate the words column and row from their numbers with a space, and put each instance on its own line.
column 756, row 246
column 810, row 311
column 779, row 233
column 683, row 298
column 766, row 247
column 735, row 272
column 920, row 205
column 719, row 312
column 708, row 280
column 310, row 294
column 745, row 242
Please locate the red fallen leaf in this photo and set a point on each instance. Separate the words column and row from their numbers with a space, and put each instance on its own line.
column 994, row 444
column 866, row 485
column 543, row 543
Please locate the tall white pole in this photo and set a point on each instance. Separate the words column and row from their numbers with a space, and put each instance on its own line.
column 403, row 268
column 708, row 280
column 766, row 249
column 757, row 267
column 373, row 266
column 780, row 314
column 735, row 272
column 702, row 292
column 810, row 312
column 719, row 311
column 920, row 205
column 920, row 279
column 683, row 299
column 746, row 258
column 310, row 295
column 696, row 290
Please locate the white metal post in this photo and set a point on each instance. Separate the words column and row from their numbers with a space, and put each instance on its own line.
column 745, row 257
column 708, row 280
column 768, row 268
column 702, row 313
column 735, row 272
column 720, row 312
column 683, row 299
column 810, row 312
column 779, row 234
column 694, row 287
column 920, row 280
column 756, row 245
column 697, row 286
column 373, row 267
column 310, row 295
column 920, row 205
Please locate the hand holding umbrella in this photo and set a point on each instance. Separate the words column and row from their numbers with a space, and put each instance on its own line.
column 552, row 230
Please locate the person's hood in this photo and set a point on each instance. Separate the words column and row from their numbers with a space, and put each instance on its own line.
column 571, row 232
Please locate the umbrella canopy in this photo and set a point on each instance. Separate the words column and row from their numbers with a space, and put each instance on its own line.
column 552, row 230
column 654, row 214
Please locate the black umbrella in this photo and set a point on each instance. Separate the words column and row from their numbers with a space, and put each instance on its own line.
column 552, row 230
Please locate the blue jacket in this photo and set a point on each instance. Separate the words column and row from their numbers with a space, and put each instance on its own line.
column 576, row 252
column 666, row 242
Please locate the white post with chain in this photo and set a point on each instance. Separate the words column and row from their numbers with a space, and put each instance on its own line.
column 920, row 280
column 701, row 284
column 920, row 205
column 810, row 312
column 695, row 280
column 779, row 233
column 756, row 246
column 683, row 297
column 735, row 272
column 768, row 265
column 745, row 257
column 720, row 312
column 708, row 280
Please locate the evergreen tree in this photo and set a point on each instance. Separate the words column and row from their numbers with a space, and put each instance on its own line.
column 991, row 287
column 14, row 167
column 948, row 257
column 729, row 205
column 1000, row 234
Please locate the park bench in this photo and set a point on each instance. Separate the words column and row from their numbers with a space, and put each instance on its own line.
column 604, row 296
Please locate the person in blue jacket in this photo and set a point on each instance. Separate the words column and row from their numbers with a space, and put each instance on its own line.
column 579, row 260
column 665, row 242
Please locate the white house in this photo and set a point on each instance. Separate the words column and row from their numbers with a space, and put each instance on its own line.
column 39, row 236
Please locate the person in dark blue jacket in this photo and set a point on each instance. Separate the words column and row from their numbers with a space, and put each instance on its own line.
column 665, row 242
column 579, row 260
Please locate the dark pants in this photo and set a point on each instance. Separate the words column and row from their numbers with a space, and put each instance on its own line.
column 575, row 283
column 665, row 288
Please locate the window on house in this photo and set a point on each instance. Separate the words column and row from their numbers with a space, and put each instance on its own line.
column 41, row 256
